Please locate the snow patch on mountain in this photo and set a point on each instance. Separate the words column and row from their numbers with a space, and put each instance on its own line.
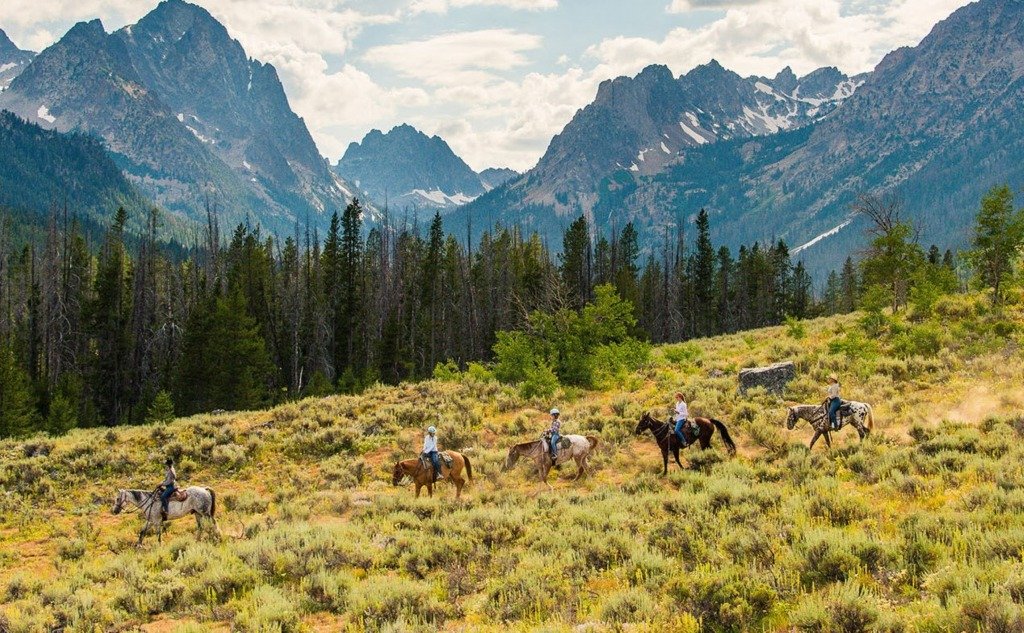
column 825, row 235
column 440, row 198
column 199, row 135
column 44, row 113
column 700, row 140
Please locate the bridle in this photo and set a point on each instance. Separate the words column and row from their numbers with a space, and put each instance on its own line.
column 143, row 506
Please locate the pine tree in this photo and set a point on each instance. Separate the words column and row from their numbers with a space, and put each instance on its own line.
column 111, row 316
column 224, row 363
column 575, row 262
column 627, row 270
column 832, row 295
column 800, row 299
column 17, row 415
column 998, row 239
column 849, row 285
column 704, row 277
column 161, row 409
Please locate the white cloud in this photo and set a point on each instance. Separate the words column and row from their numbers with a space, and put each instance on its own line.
column 457, row 58
column 764, row 36
column 442, row 6
column 682, row 6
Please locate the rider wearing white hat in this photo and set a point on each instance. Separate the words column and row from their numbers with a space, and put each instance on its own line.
column 556, row 427
column 430, row 450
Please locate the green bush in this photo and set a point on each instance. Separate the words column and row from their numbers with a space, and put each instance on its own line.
column 383, row 600
column 918, row 340
column 267, row 609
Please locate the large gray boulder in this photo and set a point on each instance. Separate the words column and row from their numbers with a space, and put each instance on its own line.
column 773, row 377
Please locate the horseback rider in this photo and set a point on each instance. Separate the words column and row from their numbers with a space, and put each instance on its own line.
column 554, row 434
column 681, row 416
column 168, row 486
column 833, row 402
column 430, row 450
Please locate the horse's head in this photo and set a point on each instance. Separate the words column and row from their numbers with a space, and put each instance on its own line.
column 646, row 422
column 119, row 502
column 511, row 458
column 791, row 418
column 397, row 474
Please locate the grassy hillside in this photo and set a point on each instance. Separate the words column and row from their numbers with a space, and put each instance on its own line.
column 919, row 528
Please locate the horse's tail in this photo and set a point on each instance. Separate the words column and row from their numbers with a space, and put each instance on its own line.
column 871, row 419
column 593, row 441
column 469, row 467
column 725, row 436
column 213, row 503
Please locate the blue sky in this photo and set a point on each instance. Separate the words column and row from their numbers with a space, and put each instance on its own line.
column 498, row 78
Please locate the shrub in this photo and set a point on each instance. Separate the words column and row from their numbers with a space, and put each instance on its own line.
column 627, row 606
column 267, row 610
column 382, row 600
column 795, row 328
column 447, row 371
column 328, row 590
column 918, row 340
column 540, row 382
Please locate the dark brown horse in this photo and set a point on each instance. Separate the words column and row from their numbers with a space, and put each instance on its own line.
column 423, row 475
column 667, row 441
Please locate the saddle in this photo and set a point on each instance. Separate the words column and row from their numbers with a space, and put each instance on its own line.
column 563, row 442
column 179, row 495
column 446, row 460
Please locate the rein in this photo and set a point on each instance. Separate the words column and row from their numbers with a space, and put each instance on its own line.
column 659, row 429
column 146, row 504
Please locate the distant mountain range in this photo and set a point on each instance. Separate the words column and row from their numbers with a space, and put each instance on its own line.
column 12, row 60
column 186, row 114
column 785, row 157
column 189, row 118
column 407, row 168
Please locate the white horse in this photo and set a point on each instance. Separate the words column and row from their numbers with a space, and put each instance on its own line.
column 858, row 413
column 202, row 502
column 578, row 450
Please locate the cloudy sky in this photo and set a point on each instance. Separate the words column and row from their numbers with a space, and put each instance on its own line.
column 498, row 78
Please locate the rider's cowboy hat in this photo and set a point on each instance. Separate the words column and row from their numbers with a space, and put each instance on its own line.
column 833, row 377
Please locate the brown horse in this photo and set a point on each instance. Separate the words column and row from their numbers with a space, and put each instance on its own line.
column 667, row 440
column 424, row 475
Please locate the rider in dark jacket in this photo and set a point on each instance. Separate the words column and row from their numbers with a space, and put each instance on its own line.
column 170, row 479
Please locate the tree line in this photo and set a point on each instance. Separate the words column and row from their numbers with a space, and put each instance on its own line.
column 130, row 330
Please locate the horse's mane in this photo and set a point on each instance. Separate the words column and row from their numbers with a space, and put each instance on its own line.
column 525, row 444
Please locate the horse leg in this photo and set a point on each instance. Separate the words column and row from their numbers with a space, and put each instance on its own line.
column 418, row 486
column 458, row 486
column 675, row 453
column 430, row 490
column 664, row 459
column 828, row 439
column 814, row 439
column 142, row 534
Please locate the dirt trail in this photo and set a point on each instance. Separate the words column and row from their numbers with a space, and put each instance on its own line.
column 979, row 403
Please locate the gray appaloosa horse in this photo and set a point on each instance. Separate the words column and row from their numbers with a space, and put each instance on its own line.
column 858, row 414
column 202, row 502
column 578, row 450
